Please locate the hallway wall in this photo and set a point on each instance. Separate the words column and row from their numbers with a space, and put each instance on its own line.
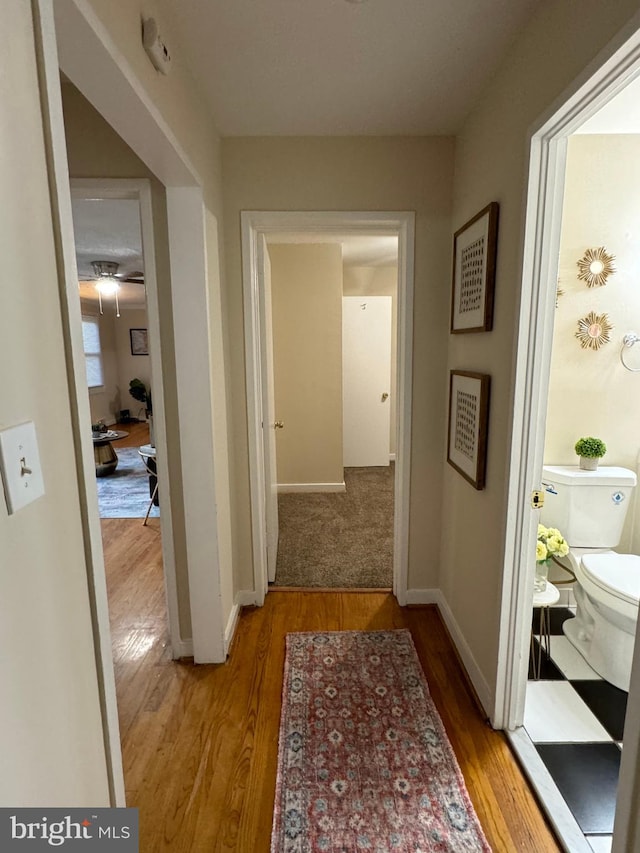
column 492, row 157
column 51, row 737
column 306, row 299
column 356, row 174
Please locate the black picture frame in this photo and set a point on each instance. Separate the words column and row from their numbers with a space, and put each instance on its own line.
column 468, row 425
column 474, row 272
column 139, row 342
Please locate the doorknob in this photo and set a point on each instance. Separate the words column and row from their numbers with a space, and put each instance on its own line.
column 278, row 425
column 385, row 397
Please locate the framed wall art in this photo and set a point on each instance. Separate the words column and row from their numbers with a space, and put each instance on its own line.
column 468, row 421
column 474, row 272
column 139, row 342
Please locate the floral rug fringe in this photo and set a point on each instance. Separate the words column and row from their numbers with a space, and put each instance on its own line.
column 364, row 762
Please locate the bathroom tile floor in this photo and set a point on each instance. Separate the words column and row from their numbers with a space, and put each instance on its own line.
column 575, row 720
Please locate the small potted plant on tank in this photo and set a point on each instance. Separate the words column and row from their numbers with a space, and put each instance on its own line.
column 590, row 450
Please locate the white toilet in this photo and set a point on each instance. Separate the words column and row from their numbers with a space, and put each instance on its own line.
column 589, row 508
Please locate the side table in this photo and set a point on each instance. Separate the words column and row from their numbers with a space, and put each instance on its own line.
column 105, row 457
column 544, row 600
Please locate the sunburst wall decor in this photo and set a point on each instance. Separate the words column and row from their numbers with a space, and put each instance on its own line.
column 596, row 266
column 593, row 330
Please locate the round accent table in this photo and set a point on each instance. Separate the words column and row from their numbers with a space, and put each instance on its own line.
column 105, row 456
column 544, row 600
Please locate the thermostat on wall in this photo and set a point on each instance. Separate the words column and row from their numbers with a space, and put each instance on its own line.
column 156, row 49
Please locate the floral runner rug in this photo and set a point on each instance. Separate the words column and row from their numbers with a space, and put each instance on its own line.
column 364, row 762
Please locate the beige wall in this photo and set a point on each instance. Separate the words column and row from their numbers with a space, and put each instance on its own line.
column 491, row 164
column 94, row 150
column 131, row 366
column 590, row 392
column 355, row 174
column 51, row 738
column 379, row 281
column 306, row 296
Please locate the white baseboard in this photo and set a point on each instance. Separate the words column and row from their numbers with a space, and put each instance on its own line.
column 469, row 662
column 423, row 596
column 182, row 649
column 232, row 624
column 284, row 488
column 392, row 457
column 246, row 598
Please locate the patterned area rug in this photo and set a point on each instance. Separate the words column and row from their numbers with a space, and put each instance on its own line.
column 364, row 762
column 125, row 493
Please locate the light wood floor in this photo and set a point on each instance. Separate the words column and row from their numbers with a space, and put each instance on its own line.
column 200, row 743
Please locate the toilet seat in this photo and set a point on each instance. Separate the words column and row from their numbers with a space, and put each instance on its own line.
column 615, row 574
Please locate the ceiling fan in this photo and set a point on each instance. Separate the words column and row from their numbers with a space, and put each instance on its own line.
column 108, row 280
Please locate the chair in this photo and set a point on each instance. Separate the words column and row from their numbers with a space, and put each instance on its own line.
column 148, row 452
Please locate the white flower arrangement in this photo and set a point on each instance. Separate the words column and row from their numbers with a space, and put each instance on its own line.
column 551, row 543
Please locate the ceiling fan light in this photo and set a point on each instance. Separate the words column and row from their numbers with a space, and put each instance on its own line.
column 107, row 286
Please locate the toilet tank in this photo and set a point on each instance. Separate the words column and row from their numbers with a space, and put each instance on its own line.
column 587, row 507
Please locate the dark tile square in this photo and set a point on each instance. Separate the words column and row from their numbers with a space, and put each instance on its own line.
column 607, row 702
column 587, row 777
column 548, row 670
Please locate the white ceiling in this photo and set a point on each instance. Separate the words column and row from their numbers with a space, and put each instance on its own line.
column 330, row 67
column 108, row 230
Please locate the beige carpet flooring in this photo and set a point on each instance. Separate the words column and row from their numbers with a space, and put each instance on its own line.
column 339, row 540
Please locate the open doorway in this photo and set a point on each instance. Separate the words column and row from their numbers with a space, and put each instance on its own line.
column 333, row 312
column 259, row 229
column 574, row 710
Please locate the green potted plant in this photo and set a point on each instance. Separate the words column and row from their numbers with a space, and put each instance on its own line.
column 590, row 450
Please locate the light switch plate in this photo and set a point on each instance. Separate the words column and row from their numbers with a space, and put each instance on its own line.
column 20, row 464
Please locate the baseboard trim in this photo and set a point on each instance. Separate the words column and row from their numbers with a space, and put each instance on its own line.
column 182, row 649
column 478, row 682
column 284, row 488
column 232, row 624
column 392, row 457
column 423, row 596
column 246, row 598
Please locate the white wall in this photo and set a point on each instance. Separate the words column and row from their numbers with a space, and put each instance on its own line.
column 306, row 298
column 379, row 281
column 355, row 174
column 51, row 738
column 590, row 392
column 562, row 38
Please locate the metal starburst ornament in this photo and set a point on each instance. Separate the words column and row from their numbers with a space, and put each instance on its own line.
column 593, row 330
column 596, row 266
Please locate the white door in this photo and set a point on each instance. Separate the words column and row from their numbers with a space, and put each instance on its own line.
column 366, row 380
column 268, row 412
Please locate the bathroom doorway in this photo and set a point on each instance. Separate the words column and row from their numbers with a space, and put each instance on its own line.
column 580, row 801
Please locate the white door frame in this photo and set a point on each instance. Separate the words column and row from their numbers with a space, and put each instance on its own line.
column 140, row 190
column 600, row 82
column 92, row 61
column 257, row 223
column 70, row 37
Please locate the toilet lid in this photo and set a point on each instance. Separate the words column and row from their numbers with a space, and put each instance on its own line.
column 618, row 574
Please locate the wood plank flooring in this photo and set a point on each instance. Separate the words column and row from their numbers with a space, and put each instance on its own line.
column 200, row 743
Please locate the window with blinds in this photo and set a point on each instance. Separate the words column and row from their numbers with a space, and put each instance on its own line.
column 92, row 351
